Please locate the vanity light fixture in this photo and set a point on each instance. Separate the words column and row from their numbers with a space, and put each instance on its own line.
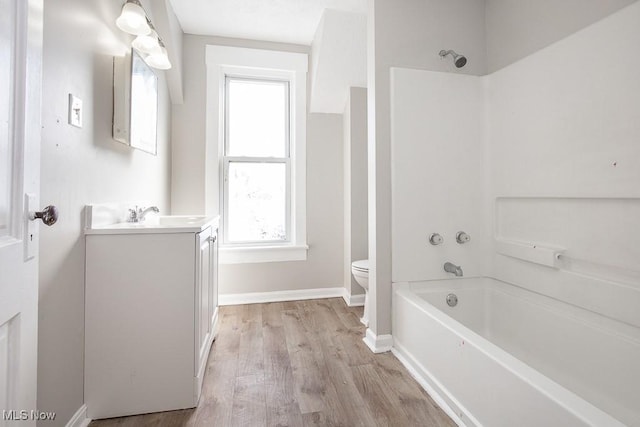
column 134, row 20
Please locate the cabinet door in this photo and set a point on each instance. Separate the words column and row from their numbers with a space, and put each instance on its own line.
column 203, row 280
column 213, row 284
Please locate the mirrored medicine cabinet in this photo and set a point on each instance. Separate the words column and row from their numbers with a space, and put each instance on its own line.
column 135, row 102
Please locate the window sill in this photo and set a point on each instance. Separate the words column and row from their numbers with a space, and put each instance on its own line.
column 257, row 254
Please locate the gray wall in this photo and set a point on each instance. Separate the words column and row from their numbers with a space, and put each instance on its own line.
column 323, row 267
column 356, row 242
column 189, row 155
column 516, row 29
column 81, row 166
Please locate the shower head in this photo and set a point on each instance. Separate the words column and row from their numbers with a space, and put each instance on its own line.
column 459, row 60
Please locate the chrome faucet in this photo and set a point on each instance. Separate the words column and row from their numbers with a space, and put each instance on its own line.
column 138, row 214
column 452, row 268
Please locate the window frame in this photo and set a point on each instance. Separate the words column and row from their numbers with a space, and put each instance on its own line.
column 257, row 64
column 226, row 160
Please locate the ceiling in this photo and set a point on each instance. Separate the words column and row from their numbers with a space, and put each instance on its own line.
column 285, row 21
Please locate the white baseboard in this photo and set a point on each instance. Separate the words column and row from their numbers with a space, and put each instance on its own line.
column 433, row 389
column 352, row 300
column 278, row 296
column 379, row 343
column 79, row 419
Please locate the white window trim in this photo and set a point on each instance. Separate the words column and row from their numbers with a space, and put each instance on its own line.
column 257, row 63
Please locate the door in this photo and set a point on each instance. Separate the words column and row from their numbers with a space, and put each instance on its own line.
column 20, row 90
column 213, row 283
column 203, row 280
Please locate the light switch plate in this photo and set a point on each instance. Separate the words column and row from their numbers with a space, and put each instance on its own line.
column 75, row 111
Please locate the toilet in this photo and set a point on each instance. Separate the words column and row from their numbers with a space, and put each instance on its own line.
column 360, row 271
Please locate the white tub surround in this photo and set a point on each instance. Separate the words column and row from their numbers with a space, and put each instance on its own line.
column 437, row 145
column 539, row 163
column 507, row 356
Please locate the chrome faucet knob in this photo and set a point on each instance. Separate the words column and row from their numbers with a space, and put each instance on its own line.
column 133, row 215
column 435, row 239
column 462, row 237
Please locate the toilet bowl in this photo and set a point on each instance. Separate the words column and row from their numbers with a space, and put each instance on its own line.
column 360, row 272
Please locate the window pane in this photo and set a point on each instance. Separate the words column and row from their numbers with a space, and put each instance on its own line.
column 257, row 202
column 256, row 118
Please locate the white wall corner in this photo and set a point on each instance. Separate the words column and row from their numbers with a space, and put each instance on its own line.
column 168, row 26
column 378, row 343
column 352, row 300
column 279, row 296
column 79, row 419
column 339, row 59
column 316, row 45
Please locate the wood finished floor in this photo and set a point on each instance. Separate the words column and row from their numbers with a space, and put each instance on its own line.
column 300, row 363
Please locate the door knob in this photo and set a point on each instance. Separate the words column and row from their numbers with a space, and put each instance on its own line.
column 48, row 215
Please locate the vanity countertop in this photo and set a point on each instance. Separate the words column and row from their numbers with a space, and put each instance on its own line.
column 155, row 224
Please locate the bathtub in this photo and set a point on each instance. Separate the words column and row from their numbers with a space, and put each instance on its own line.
column 505, row 356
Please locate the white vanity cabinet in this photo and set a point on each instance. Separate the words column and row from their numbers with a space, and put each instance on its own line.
column 150, row 315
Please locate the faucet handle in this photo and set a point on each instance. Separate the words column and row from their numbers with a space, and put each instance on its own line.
column 133, row 215
column 435, row 239
column 462, row 237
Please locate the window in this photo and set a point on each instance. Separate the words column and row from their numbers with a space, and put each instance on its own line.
column 256, row 123
column 256, row 185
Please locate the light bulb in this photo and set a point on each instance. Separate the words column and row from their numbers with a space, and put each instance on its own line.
column 146, row 44
column 159, row 59
column 133, row 20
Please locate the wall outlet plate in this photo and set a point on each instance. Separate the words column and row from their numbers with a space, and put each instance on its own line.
column 75, row 111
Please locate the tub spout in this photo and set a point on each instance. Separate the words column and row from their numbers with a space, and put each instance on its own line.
column 452, row 268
